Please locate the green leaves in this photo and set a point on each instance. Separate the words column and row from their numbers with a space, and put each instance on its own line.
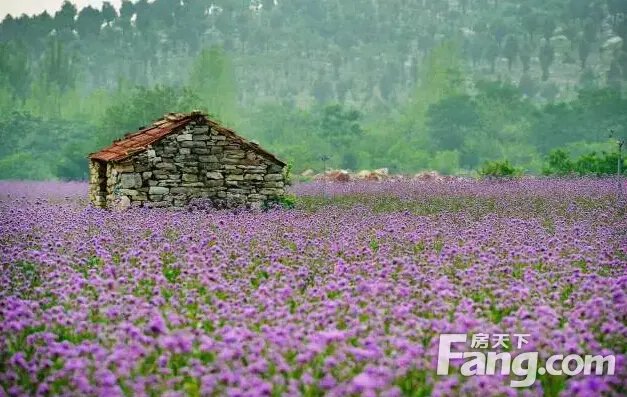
column 499, row 169
column 212, row 81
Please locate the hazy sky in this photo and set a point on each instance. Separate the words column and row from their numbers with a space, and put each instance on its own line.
column 18, row 7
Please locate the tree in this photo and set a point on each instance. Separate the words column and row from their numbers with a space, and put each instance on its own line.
column 88, row 23
column 321, row 89
column 339, row 127
column 547, row 56
column 499, row 169
column 510, row 50
column 527, row 85
column 531, row 22
column 14, row 68
column 492, row 53
column 584, row 52
column 525, row 56
column 548, row 26
column 614, row 74
column 108, row 12
column 127, row 10
column 59, row 67
column 213, row 81
column 64, row 20
column 450, row 119
column 558, row 163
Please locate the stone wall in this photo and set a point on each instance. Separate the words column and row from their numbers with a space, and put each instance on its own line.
column 196, row 162
column 97, row 183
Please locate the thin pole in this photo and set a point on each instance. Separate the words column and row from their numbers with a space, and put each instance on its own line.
column 620, row 164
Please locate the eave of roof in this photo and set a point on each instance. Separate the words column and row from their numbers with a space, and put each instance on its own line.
column 139, row 141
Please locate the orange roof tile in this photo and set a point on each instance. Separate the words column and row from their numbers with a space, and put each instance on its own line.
column 135, row 142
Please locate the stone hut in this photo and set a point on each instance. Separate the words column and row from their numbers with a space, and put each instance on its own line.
column 181, row 157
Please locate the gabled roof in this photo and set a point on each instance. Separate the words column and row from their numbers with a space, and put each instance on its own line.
column 139, row 141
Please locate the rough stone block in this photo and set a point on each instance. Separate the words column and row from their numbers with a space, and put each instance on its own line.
column 210, row 166
column 122, row 203
column 141, row 167
column 273, row 184
column 158, row 190
column 208, row 159
column 226, row 160
column 275, row 168
column 256, row 197
column 184, row 137
column 253, row 177
column 271, row 191
column 179, row 190
column 190, row 177
column 214, row 175
column 273, row 177
column 124, row 167
column 129, row 192
column 165, row 166
column 192, row 144
column 234, row 154
column 130, row 181
column 214, row 183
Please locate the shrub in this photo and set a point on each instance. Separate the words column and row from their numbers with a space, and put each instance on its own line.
column 558, row 163
column 287, row 174
column 499, row 169
column 284, row 202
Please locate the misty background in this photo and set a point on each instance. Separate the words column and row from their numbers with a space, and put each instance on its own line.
column 404, row 84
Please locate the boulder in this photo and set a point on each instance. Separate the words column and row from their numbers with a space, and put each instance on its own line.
column 363, row 174
column 338, row 176
column 122, row 203
column 382, row 171
column 373, row 176
column 428, row 176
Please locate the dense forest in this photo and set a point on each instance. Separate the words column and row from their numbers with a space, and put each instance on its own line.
column 403, row 84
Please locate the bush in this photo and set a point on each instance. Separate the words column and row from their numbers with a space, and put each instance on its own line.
column 499, row 169
column 287, row 174
column 558, row 162
column 284, row 202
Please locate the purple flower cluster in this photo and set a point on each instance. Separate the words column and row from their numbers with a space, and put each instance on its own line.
column 341, row 296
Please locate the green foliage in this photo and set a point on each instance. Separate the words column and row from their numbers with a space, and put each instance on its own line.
column 287, row 201
column 499, row 169
column 287, row 174
column 212, row 81
column 559, row 162
column 305, row 82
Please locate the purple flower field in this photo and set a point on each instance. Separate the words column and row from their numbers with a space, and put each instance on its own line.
column 342, row 296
